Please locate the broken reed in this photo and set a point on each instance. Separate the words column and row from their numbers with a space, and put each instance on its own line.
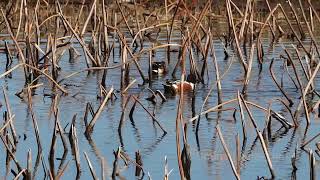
column 105, row 24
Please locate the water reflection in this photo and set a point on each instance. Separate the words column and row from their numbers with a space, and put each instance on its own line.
column 126, row 124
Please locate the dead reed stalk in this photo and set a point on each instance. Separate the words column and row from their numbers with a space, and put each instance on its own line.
column 90, row 126
column 227, row 153
column 93, row 174
column 264, row 148
column 150, row 114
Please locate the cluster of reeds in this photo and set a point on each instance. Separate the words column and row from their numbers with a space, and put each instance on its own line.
column 133, row 28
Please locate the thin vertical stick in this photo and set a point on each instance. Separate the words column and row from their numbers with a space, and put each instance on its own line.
column 150, row 68
column 168, row 29
column 166, row 169
column 9, row 58
column 249, row 67
column 52, row 148
column 312, row 165
column 75, row 147
column 124, row 57
column 243, row 124
column 115, row 163
column 29, row 166
column 137, row 21
column 103, row 177
column 20, row 19
column 13, row 131
column 238, row 155
column 178, row 123
column 139, row 162
column 219, row 90
column 62, row 133
column 105, row 31
column 34, row 121
column 311, row 19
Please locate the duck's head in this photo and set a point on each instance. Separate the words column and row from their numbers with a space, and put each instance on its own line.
column 159, row 67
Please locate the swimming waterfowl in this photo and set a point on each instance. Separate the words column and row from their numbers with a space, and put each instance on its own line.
column 159, row 67
column 174, row 87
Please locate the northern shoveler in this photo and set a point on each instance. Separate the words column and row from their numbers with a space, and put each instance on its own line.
column 174, row 87
column 159, row 67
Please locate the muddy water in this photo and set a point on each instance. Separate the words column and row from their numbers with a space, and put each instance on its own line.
column 207, row 155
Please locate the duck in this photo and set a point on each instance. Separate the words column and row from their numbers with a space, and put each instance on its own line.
column 174, row 87
column 159, row 67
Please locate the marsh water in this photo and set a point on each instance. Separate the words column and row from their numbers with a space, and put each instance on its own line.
column 208, row 159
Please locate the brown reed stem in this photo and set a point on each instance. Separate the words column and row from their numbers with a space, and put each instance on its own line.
column 179, row 124
column 17, row 177
column 123, row 40
column 115, row 163
column 229, row 12
column 34, row 121
column 249, row 68
column 302, row 34
column 294, row 32
column 48, row 76
column 300, row 84
column 139, row 162
column 12, row 128
column 90, row 126
column 94, row 3
column 7, row 123
column 243, row 124
column 103, row 176
column 264, row 148
column 85, row 49
column 12, row 156
column 29, row 165
column 306, row 89
column 63, row 170
column 279, row 87
column 227, row 153
column 308, row 141
column 93, row 173
column 75, row 147
column 150, row 114
column 186, row 41
column 238, row 154
column 216, row 67
column 125, row 19
column 312, row 165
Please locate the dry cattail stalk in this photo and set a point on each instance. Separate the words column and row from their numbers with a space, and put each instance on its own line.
column 90, row 126
column 227, row 153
